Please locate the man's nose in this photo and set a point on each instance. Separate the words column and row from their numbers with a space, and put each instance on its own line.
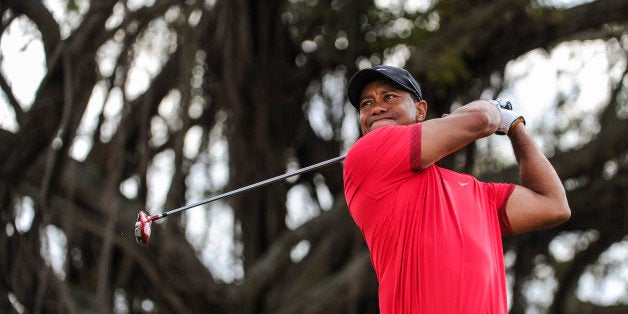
column 378, row 109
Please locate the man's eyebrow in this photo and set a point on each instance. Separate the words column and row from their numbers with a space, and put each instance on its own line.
column 363, row 97
column 382, row 91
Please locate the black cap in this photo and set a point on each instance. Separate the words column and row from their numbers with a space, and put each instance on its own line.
column 397, row 75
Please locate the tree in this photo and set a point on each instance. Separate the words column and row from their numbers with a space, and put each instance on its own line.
column 250, row 76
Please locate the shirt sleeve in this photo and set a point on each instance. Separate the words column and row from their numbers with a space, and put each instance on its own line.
column 383, row 158
column 499, row 193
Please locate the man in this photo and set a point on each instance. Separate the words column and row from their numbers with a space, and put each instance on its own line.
column 435, row 235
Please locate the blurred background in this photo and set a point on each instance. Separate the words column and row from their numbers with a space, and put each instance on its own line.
column 112, row 107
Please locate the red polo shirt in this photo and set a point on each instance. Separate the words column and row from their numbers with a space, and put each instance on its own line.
column 434, row 235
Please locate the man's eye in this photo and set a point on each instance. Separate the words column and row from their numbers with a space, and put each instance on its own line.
column 389, row 96
column 364, row 104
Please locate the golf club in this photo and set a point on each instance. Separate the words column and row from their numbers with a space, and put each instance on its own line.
column 142, row 226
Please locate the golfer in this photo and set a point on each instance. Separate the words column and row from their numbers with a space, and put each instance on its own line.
column 434, row 235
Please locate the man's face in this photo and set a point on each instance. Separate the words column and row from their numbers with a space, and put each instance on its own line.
column 383, row 103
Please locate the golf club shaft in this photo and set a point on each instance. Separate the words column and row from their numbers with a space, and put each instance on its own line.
column 250, row 187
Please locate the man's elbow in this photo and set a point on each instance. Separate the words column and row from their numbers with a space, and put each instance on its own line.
column 560, row 212
column 565, row 212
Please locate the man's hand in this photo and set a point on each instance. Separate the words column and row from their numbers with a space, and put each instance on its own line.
column 509, row 117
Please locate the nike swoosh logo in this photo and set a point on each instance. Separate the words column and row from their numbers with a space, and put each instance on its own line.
column 463, row 183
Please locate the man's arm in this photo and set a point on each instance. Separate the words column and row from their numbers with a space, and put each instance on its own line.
column 443, row 136
column 539, row 201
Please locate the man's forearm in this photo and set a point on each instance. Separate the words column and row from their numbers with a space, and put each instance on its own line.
column 536, row 172
column 484, row 107
column 441, row 137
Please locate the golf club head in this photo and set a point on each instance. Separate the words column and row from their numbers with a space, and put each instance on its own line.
column 142, row 228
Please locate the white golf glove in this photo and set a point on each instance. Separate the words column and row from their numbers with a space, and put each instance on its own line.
column 509, row 117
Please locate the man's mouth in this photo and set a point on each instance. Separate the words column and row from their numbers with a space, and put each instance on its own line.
column 381, row 122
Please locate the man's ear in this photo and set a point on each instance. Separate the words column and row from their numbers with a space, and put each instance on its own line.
column 421, row 110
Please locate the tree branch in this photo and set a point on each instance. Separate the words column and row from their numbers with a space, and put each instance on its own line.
column 19, row 113
column 277, row 257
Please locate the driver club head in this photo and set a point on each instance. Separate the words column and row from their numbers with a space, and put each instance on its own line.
column 142, row 228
